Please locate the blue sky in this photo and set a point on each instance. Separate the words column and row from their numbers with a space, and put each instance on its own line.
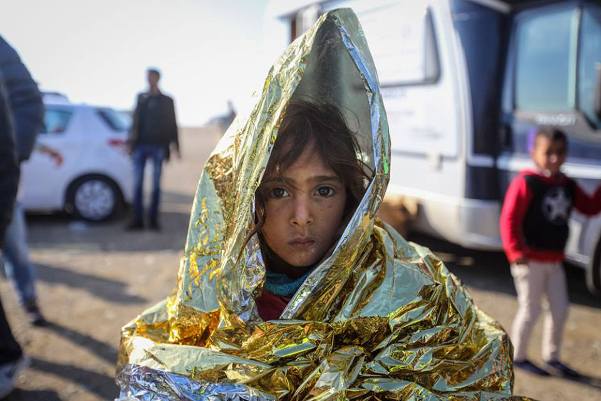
column 97, row 51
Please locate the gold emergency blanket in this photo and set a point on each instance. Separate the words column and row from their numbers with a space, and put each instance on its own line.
column 379, row 318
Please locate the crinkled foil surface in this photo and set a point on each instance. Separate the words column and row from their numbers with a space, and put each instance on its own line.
column 379, row 318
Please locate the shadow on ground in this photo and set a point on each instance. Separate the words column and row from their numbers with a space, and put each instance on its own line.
column 33, row 395
column 594, row 382
column 101, row 349
column 97, row 383
column 107, row 289
column 489, row 271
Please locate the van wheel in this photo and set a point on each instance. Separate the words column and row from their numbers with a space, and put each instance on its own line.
column 93, row 198
column 593, row 273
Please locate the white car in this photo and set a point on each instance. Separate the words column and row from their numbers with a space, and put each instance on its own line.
column 95, row 179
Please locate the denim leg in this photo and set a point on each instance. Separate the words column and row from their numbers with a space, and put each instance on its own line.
column 17, row 265
column 139, row 162
column 158, row 155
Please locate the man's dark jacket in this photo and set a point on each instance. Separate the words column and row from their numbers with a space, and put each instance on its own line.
column 24, row 97
column 164, row 131
column 9, row 170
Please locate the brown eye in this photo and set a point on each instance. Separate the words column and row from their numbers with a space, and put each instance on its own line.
column 278, row 193
column 326, row 191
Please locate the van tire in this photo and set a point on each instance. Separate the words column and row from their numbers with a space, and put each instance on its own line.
column 593, row 273
column 93, row 198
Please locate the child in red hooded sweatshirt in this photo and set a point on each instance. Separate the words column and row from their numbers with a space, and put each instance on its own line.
column 534, row 230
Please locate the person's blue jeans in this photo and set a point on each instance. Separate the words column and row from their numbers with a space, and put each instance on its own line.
column 17, row 265
column 156, row 154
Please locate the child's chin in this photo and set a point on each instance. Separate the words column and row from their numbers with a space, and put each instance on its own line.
column 302, row 263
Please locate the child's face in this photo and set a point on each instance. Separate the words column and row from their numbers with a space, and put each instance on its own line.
column 548, row 154
column 304, row 210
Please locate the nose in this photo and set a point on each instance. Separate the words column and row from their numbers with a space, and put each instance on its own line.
column 302, row 214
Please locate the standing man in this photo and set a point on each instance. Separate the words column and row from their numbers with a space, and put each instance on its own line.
column 12, row 360
column 27, row 113
column 153, row 134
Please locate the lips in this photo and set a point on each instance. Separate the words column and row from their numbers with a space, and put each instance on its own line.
column 302, row 242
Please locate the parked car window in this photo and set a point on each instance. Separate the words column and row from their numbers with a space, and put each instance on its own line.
column 56, row 121
column 590, row 61
column 116, row 120
column 546, row 60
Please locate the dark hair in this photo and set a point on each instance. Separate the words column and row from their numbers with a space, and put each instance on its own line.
column 322, row 126
column 153, row 70
column 552, row 134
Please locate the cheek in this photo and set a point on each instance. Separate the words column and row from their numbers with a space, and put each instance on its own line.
column 273, row 226
column 331, row 214
column 542, row 159
column 278, row 210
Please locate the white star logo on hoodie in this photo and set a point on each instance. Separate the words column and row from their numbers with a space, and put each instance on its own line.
column 556, row 205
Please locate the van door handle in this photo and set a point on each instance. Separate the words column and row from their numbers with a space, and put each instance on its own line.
column 505, row 136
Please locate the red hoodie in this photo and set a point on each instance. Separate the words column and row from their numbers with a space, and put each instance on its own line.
column 534, row 218
column 271, row 306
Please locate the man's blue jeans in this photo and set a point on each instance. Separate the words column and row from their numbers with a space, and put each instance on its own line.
column 156, row 154
column 17, row 265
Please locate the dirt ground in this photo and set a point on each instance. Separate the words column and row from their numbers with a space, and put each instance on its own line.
column 95, row 278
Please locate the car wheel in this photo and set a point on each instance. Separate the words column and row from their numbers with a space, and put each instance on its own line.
column 94, row 198
column 593, row 273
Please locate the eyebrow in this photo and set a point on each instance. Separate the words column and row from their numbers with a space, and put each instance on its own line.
column 321, row 178
column 317, row 178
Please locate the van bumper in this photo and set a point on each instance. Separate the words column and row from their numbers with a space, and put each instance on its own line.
column 471, row 223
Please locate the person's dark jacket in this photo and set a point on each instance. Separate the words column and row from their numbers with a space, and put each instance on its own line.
column 25, row 99
column 9, row 168
column 164, row 131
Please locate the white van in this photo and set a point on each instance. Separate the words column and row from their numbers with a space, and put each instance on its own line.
column 463, row 83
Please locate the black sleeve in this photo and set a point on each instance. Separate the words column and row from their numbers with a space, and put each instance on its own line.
column 25, row 100
column 174, row 135
column 134, row 132
column 9, row 171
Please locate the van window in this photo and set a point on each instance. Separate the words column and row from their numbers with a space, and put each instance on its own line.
column 546, row 60
column 303, row 20
column 590, row 61
column 402, row 42
column 56, row 121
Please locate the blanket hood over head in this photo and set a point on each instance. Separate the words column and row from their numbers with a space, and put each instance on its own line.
column 378, row 318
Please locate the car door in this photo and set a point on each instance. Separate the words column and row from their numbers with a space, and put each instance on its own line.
column 42, row 180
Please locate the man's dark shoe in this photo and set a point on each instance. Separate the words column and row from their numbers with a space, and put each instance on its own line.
column 135, row 225
column 35, row 315
column 559, row 369
column 528, row 366
column 154, row 225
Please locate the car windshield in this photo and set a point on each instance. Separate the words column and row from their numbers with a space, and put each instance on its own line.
column 115, row 119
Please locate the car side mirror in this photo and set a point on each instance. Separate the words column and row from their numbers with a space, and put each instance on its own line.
column 598, row 90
